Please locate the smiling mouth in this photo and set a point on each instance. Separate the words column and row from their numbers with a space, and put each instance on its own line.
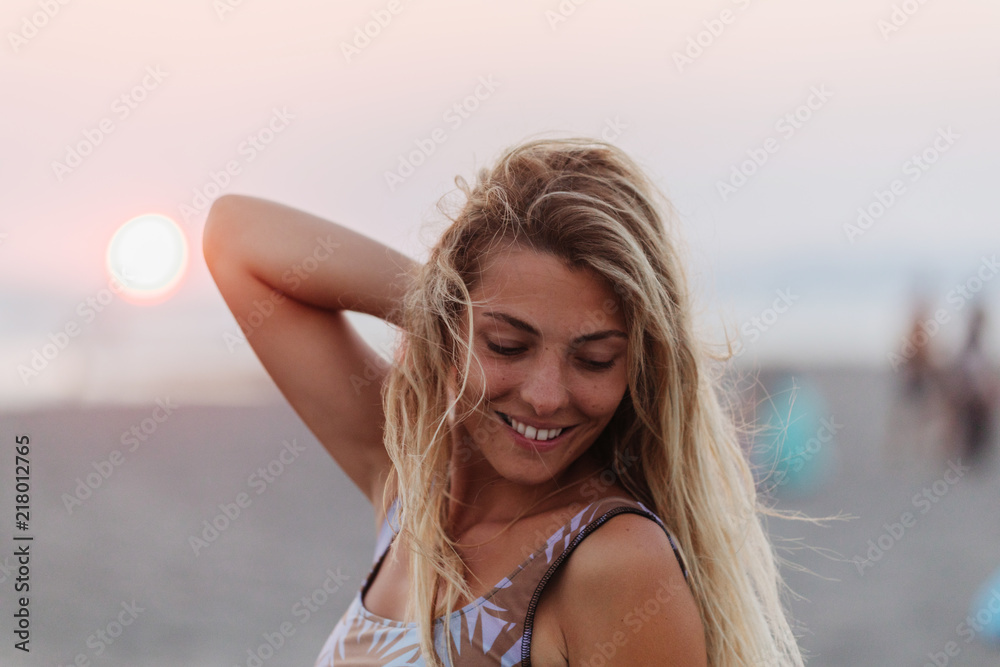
column 530, row 432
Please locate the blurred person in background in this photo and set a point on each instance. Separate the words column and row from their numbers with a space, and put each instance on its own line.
column 972, row 390
column 918, row 416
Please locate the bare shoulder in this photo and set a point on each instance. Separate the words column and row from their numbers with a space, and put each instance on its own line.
column 622, row 595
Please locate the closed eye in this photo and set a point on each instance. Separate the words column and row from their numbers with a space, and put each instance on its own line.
column 512, row 351
column 506, row 351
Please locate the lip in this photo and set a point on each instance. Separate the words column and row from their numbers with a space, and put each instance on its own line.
column 536, row 445
column 528, row 423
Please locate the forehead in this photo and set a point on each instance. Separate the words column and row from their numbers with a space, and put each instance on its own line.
column 541, row 285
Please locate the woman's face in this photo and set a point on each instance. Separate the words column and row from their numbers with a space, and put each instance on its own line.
column 553, row 348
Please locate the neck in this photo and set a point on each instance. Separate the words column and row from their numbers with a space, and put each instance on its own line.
column 480, row 495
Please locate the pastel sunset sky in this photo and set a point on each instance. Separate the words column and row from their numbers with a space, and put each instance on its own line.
column 768, row 124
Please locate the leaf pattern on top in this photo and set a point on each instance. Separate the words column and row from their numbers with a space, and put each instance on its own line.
column 489, row 631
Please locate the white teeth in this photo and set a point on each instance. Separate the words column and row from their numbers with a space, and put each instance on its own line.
column 533, row 433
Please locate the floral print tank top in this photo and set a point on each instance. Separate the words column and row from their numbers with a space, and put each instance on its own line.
column 494, row 629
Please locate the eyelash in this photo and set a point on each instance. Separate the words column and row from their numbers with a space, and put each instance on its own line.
column 511, row 351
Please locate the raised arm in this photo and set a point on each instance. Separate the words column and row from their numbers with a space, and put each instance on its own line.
column 288, row 276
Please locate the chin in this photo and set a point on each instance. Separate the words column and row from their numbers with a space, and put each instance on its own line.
column 528, row 477
column 526, row 470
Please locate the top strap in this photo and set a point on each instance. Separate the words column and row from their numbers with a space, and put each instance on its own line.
column 388, row 530
column 585, row 523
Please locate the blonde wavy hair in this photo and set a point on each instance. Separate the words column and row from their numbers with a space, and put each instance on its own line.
column 671, row 442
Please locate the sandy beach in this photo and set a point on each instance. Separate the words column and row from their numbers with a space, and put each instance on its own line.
column 217, row 536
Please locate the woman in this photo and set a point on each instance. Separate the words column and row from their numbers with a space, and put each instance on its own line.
column 547, row 388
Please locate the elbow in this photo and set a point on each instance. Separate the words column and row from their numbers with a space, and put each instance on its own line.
column 223, row 208
column 220, row 215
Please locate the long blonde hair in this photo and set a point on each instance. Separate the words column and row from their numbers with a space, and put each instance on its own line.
column 671, row 442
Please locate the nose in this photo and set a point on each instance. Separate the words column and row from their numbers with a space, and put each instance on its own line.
column 544, row 387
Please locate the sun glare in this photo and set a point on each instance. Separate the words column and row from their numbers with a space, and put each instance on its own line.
column 148, row 256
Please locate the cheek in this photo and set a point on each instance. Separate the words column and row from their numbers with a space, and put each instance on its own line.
column 494, row 381
column 602, row 399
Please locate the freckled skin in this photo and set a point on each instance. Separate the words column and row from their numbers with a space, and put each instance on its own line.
column 548, row 380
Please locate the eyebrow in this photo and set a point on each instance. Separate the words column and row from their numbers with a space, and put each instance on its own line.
column 524, row 326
